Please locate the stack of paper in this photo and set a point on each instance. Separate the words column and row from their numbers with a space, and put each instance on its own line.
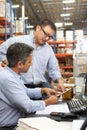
column 41, row 123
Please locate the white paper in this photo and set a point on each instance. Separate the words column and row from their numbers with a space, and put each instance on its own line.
column 77, row 124
column 63, row 107
column 42, row 123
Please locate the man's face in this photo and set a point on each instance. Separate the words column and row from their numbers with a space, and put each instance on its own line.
column 26, row 66
column 43, row 34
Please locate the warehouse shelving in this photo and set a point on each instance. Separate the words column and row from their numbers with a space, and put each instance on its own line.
column 3, row 27
column 6, row 27
column 64, row 54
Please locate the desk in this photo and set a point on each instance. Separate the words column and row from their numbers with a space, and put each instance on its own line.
column 61, row 107
column 66, row 125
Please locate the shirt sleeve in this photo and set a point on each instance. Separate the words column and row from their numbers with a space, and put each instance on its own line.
column 34, row 93
column 3, row 49
column 4, row 46
column 53, row 66
column 15, row 95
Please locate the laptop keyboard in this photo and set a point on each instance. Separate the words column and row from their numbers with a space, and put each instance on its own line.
column 76, row 106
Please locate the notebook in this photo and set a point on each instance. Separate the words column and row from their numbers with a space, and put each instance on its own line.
column 41, row 123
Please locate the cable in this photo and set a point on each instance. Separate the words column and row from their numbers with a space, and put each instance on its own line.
column 84, row 125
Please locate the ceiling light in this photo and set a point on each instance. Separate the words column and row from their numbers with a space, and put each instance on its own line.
column 38, row 11
column 66, row 18
column 68, row 1
column 84, row 21
column 15, row 6
column 68, row 24
column 30, row 26
column 65, row 15
column 23, row 18
column 67, row 8
column 59, row 24
column 46, row 0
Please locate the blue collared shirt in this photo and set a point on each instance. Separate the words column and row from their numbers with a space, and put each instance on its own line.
column 43, row 59
column 15, row 98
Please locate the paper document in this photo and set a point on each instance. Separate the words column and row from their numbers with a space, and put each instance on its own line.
column 41, row 123
column 77, row 124
column 63, row 107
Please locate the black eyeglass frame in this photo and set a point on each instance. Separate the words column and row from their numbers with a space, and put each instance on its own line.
column 45, row 34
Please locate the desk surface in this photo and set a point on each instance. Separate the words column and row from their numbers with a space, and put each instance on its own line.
column 61, row 107
column 69, row 125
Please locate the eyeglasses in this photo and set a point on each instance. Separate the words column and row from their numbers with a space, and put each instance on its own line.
column 45, row 34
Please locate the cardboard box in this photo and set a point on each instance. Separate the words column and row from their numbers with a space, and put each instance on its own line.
column 5, row 9
column 69, row 94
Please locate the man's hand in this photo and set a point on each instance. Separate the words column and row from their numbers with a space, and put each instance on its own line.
column 49, row 91
column 51, row 100
column 5, row 62
column 59, row 87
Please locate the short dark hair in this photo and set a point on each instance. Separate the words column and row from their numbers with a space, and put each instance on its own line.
column 18, row 52
column 46, row 22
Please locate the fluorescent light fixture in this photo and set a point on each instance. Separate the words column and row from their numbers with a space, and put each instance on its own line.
column 68, row 1
column 67, row 8
column 68, row 24
column 46, row 0
column 30, row 26
column 84, row 21
column 15, row 6
column 65, row 15
column 67, row 18
column 59, row 24
column 23, row 18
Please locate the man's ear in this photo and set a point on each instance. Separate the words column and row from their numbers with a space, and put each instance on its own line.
column 38, row 27
column 19, row 64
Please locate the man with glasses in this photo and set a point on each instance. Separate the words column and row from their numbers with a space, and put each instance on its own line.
column 43, row 56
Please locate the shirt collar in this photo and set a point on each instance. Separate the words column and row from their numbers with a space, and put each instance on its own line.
column 13, row 72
